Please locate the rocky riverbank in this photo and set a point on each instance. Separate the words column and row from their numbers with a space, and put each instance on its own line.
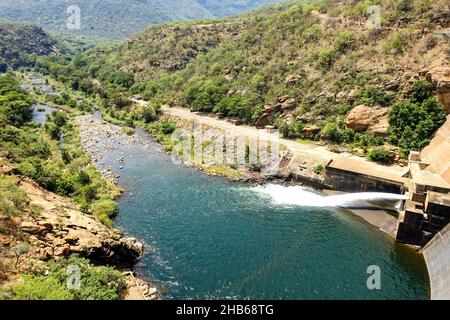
column 54, row 227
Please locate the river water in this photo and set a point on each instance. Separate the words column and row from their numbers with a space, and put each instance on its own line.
column 210, row 238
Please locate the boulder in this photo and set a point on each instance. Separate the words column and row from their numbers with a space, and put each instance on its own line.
column 263, row 121
column 32, row 228
column 289, row 104
column 352, row 95
column 291, row 79
column 311, row 131
column 362, row 118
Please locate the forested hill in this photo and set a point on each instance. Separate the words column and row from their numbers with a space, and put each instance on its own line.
column 311, row 68
column 115, row 19
column 19, row 42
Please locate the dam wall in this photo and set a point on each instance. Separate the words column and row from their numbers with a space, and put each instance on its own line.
column 437, row 258
column 437, row 153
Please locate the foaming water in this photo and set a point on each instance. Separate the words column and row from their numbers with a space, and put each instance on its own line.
column 301, row 196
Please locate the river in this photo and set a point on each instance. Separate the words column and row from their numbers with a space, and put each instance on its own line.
column 210, row 238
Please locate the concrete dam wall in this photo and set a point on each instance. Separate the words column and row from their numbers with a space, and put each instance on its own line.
column 438, row 152
column 437, row 258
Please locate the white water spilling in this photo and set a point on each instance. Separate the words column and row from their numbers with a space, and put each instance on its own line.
column 301, row 196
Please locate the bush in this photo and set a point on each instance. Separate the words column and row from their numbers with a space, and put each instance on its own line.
column 380, row 155
column 395, row 45
column 291, row 131
column 129, row 131
column 83, row 178
column 421, row 91
column 372, row 96
column 167, row 127
column 12, row 199
column 333, row 133
column 149, row 113
column 319, row 169
column 343, row 41
column 325, row 59
column 41, row 288
column 313, row 33
column 104, row 207
column 412, row 122
column 97, row 283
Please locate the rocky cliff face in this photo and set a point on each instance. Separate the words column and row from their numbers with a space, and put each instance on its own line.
column 57, row 228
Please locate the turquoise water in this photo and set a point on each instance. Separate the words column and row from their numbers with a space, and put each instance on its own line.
column 210, row 238
column 41, row 116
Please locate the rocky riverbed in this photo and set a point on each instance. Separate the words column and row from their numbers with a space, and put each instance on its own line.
column 99, row 138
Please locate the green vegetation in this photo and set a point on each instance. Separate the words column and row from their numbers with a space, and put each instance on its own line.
column 117, row 19
column 38, row 152
column 284, row 58
column 415, row 120
column 319, row 169
column 238, row 66
column 96, row 283
column 12, row 199
column 162, row 130
column 380, row 155
column 21, row 43
column 223, row 171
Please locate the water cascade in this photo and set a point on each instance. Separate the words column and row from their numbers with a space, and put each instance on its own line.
column 301, row 196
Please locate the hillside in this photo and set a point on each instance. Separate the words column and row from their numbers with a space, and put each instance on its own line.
column 18, row 42
column 315, row 71
column 119, row 18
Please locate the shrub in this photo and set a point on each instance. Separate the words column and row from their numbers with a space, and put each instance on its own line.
column 421, row 91
column 380, row 155
column 167, row 127
column 41, row 288
column 12, row 199
column 333, row 133
column 313, row 33
column 325, row 59
column 149, row 113
column 129, row 131
column 97, row 283
column 104, row 207
column 372, row 96
column 291, row 130
column 319, row 169
column 343, row 41
column 395, row 45
column 83, row 178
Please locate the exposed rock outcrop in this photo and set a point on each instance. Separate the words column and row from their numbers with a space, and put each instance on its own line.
column 60, row 229
column 362, row 118
column 311, row 131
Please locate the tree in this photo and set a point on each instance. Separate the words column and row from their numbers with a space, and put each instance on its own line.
column 122, row 78
column 412, row 122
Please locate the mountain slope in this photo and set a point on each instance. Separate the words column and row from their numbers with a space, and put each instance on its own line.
column 114, row 19
column 314, row 71
column 19, row 41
